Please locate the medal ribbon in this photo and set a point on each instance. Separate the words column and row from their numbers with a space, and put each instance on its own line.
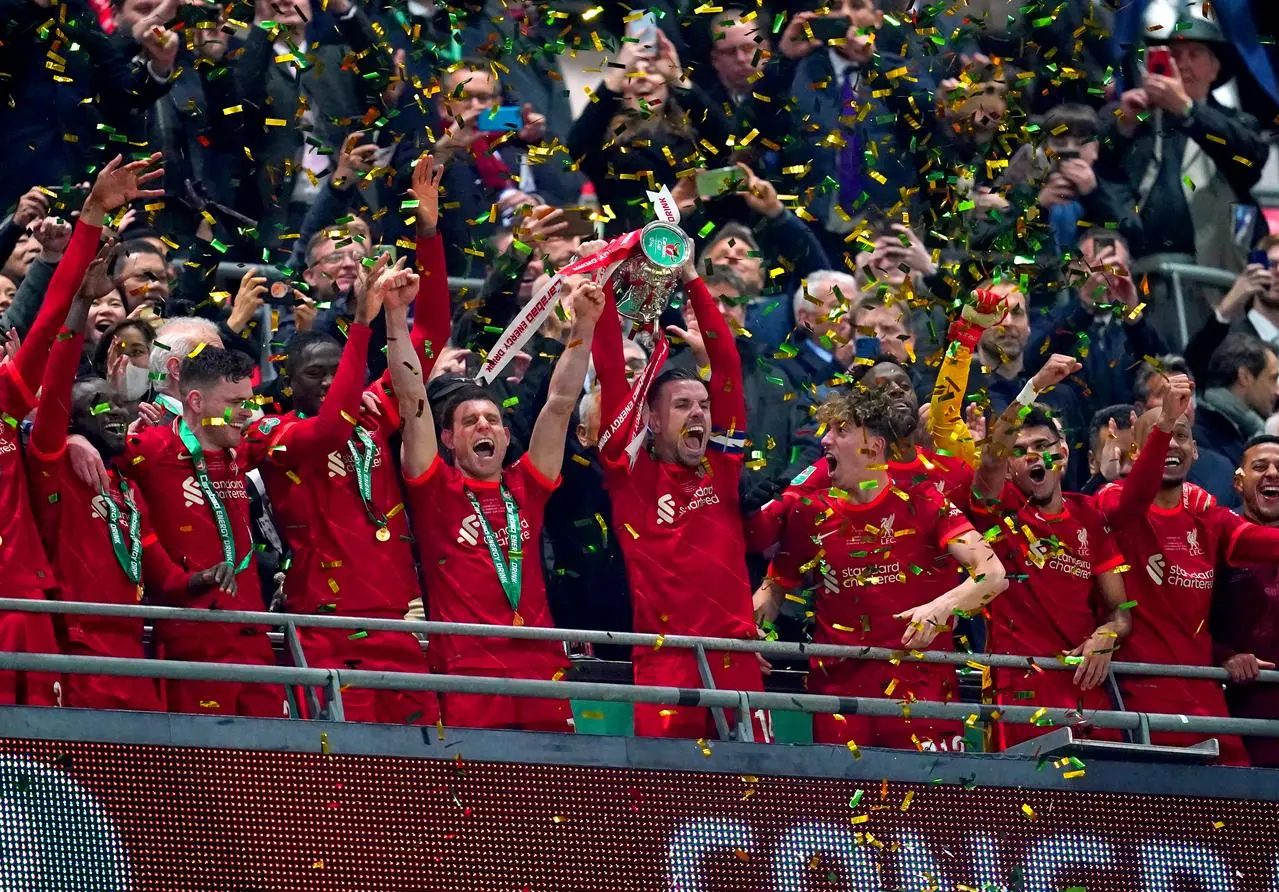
column 364, row 474
column 131, row 558
column 510, row 576
column 220, row 517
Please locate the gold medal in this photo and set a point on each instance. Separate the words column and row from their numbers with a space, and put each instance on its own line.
column 139, row 593
column 383, row 534
column 518, row 620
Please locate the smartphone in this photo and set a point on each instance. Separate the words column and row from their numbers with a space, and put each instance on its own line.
column 502, row 118
column 579, row 222
column 1260, row 258
column 1103, row 243
column 866, row 347
column 1066, row 155
column 720, row 181
column 830, row 27
column 1159, row 61
column 643, row 30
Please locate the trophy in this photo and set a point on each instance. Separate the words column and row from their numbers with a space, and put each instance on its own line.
column 644, row 282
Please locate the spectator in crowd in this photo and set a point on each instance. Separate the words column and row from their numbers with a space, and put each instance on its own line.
column 825, row 346
column 142, row 275
column 325, row 87
column 1110, row 445
column 648, row 119
column 1241, row 387
column 123, row 357
column 1244, row 630
column 1099, row 322
column 1251, row 306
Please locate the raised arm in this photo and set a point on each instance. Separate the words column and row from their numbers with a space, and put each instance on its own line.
column 1143, row 481
column 332, row 426
column 946, row 418
column 610, row 371
column 546, row 445
column 116, row 185
column 728, row 398
column 992, row 471
column 419, row 449
column 432, row 319
column 49, row 434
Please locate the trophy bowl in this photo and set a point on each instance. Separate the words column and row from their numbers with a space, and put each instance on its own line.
column 644, row 282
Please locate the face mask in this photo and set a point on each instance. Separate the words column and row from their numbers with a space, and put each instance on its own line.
column 137, row 381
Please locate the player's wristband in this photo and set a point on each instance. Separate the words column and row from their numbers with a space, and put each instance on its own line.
column 967, row 333
column 1028, row 395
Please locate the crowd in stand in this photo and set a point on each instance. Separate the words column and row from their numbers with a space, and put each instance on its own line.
column 926, row 382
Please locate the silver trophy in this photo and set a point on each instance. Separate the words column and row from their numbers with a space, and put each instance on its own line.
column 645, row 281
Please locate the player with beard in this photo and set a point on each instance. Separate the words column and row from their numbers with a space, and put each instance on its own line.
column 677, row 516
column 336, row 496
column 1174, row 554
column 191, row 474
column 1062, row 559
column 27, row 573
column 1245, row 604
column 100, row 541
column 478, row 524
column 882, row 556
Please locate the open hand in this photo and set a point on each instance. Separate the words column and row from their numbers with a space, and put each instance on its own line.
column 426, row 191
column 1096, row 652
column 924, row 623
column 118, row 183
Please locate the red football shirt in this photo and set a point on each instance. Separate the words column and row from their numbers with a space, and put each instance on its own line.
column 184, row 523
column 871, row 561
column 1049, row 607
column 948, row 475
column 73, row 523
column 681, row 534
column 26, row 569
column 339, row 564
column 461, row 581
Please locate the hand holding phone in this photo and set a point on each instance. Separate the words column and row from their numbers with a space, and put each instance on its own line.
column 500, row 119
column 830, row 27
column 720, row 181
column 1159, row 61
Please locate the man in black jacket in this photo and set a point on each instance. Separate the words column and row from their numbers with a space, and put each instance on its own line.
column 1096, row 324
column 57, row 84
column 298, row 101
column 1239, row 392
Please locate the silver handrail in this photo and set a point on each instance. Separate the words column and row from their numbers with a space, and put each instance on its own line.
column 631, row 639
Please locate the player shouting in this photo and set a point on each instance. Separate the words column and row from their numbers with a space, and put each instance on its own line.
column 677, row 516
column 882, row 555
column 478, row 525
column 1174, row 550
column 1062, row 560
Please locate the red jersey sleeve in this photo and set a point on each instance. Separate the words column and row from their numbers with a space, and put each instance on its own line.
column 432, row 321
column 610, row 371
column 728, row 397
column 20, row 378
column 1242, row 542
column 947, row 521
column 1128, row 502
column 49, row 433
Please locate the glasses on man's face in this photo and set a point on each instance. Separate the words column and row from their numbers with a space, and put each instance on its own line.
column 336, row 258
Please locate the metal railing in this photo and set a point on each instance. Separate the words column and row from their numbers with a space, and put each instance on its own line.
column 1178, row 273
column 332, row 681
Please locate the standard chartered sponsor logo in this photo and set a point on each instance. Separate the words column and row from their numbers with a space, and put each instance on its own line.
column 191, row 492
column 469, row 532
column 666, row 509
column 1155, row 568
column 337, row 466
column 54, row 835
column 7, row 446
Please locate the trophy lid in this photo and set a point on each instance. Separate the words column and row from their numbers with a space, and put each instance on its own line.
column 665, row 244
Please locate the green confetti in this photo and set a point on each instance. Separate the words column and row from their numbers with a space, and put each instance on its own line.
column 100, row 409
column 355, row 636
column 1127, row 605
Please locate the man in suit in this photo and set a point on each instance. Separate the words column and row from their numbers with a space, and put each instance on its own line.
column 1239, row 393
column 1251, row 306
column 1096, row 323
column 50, row 109
column 831, row 130
column 318, row 92
column 824, row 347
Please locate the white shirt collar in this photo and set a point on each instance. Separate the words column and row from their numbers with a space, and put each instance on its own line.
column 1266, row 330
column 840, row 64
